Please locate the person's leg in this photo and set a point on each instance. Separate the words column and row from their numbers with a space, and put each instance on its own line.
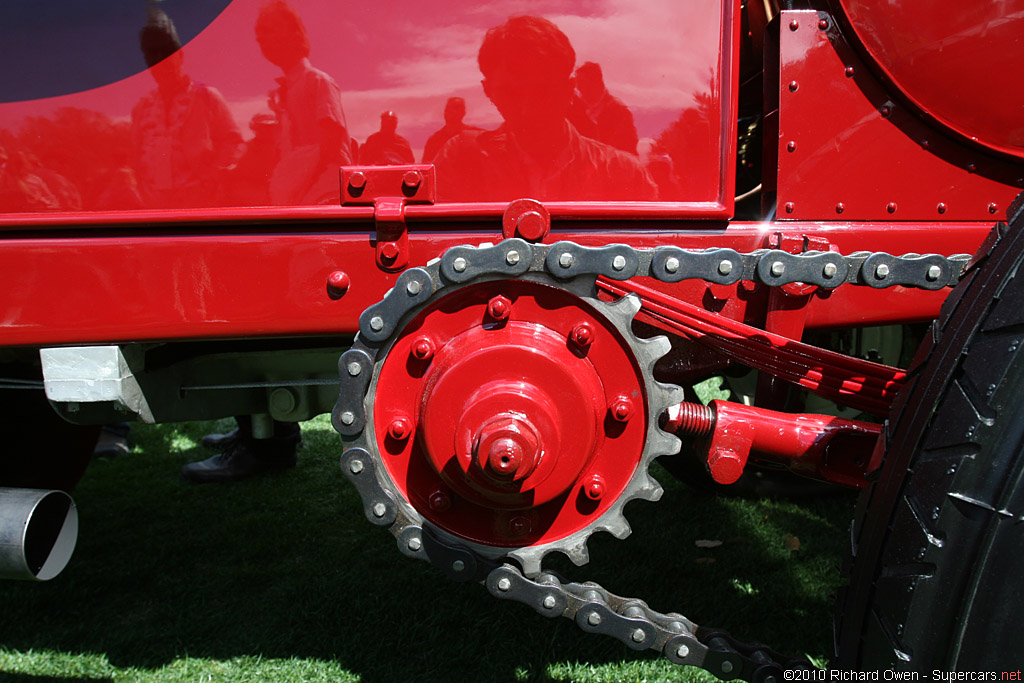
column 245, row 456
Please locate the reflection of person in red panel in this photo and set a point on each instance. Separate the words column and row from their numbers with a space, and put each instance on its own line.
column 183, row 136
column 386, row 147
column 527, row 64
column 454, row 112
column 313, row 137
column 612, row 120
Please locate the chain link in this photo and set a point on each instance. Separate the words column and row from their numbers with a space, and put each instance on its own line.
column 593, row 608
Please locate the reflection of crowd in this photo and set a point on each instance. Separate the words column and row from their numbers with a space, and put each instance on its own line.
column 563, row 134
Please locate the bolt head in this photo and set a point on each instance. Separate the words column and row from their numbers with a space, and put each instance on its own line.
column 582, row 335
column 439, row 501
column 840, row 207
column 671, row 264
column 793, row 86
column 355, row 466
column 725, row 465
column 499, row 307
column 338, row 283
column 414, row 287
column 941, row 208
column 791, row 146
column 794, row 25
column 881, row 271
column 423, row 348
column 823, row 24
column 412, row 179
column 891, row 207
column 621, row 409
column 565, row 260
column 520, row 526
column 357, row 180
column 459, row 265
column 850, row 71
column 389, row 251
column 993, row 207
column 594, row 487
column 512, row 258
column 619, row 262
column 790, row 207
column 400, row 428
column 504, row 584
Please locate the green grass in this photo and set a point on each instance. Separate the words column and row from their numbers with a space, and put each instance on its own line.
column 283, row 579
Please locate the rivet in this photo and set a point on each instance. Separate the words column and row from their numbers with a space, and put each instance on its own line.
column 593, row 618
column 520, row 526
column 512, row 258
column 619, row 262
column 354, row 369
column 829, row 270
column 726, row 667
column 549, row 602
column 357, row 180
column 504, row 584
column 458, row 565
column 823, row 24
column 992, row 208
column 791, row 146
column 594, row 487
column 565, row 259
column 459, row 265
column 376, row 323
column 794, row 25
column 725, row 267
column 886, row 111
column 925, row 144
column 790, row 207
column 423, row 348
column 891, row 207
column 638, row 635
column 683, row 652
column 671, row 264
column 582, row 335
column 793, row 86
column 840, row 207
column 379, row 509
column 414, row 287
column 971, row 168
column 400, row 428
column 499, row 307
column 356, row 466
column 622, row 409
column 389, row 251
column 778, row 268
column 850, row 71
column 347, row 418
column 338, row 283
column 941, row 208
column 415, row 543
column 439, row 501
column 881, row 271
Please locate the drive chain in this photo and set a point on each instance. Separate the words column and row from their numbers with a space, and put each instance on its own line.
column 593, row 608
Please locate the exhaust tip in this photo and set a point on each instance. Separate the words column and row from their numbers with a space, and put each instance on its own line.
column 38, row 532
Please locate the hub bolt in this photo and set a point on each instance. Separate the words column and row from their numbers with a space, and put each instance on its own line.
column 594, row 487
column 499, row 307
column 520, row 526
column 400, row 428
column 582, row 335
column 621, row 409
column 439, row 501
column 423, row 348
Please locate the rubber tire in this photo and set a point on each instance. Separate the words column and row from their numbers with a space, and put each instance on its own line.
column 934, row 578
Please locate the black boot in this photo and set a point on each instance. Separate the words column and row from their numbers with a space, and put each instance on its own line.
column 245, row 458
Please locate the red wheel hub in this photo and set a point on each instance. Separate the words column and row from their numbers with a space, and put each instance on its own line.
column 527, row 424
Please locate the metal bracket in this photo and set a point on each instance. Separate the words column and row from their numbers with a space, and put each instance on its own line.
column 389, row 189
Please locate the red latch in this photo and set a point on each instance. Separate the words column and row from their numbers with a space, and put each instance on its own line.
column 389, row 189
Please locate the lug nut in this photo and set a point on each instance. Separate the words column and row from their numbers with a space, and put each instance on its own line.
column 582, row 335
column 594, row 487
column 499, row 307
column 423, row 348
column 622, row 409
column 400, row 428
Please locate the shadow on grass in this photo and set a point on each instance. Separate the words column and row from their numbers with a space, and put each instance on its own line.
column 287, row 567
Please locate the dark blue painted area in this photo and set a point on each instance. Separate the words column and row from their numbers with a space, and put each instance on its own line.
column 56, row 47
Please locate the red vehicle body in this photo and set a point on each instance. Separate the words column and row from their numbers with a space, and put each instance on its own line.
column 196, row 220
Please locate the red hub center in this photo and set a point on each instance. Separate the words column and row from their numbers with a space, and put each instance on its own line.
column 514, row 429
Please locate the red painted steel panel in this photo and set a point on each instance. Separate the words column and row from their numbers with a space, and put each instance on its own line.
column 158, row 285
column 960, row 63
column 235, row 117
column 846, row 151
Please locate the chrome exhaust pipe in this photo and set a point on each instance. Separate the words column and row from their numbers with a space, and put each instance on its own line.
column 38, row 531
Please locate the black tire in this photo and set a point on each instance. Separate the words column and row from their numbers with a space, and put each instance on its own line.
column 936, row 576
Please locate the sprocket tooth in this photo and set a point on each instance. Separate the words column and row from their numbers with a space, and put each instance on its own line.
column 579, row 554
column 659, row 345
column 629, row 304
column 530, row 562
column 621, row 530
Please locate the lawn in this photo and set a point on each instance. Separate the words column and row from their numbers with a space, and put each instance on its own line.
column 283, row 579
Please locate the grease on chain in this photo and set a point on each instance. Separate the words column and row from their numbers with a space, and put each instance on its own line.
column 592, row 607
